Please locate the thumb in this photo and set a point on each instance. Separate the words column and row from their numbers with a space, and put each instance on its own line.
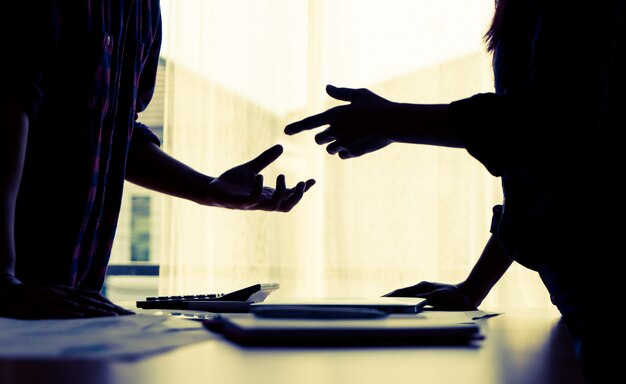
column 266, row 158
column 345, row 94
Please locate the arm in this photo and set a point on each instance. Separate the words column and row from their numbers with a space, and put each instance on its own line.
column 14, row 123
column 469, row 294
column 371, row 122
column 490, row 267
column 150, row 167
column 239, row 188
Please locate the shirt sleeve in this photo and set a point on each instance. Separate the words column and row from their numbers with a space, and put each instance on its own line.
column 472, row 119
column 546, row 123
column 504, row 131
column 147, row 80
column 30, row 30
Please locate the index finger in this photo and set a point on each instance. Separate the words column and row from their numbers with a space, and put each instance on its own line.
column 308, row 123
column 266, row 158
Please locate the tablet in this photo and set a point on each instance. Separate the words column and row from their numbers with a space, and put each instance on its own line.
column 395, row 329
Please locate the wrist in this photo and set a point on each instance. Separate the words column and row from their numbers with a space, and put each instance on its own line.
column 202, row 191
column 7, row 278
column 423, row 124
column 472, row 292
column 401, row 118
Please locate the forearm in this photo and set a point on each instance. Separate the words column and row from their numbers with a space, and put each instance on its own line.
column 14, row 123
column 422, row 124
column 152, row 168
column 489, row 268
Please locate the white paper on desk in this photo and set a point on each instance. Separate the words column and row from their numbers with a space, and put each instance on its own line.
column 123, row 337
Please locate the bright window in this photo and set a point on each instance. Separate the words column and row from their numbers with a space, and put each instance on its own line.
column 236, row 72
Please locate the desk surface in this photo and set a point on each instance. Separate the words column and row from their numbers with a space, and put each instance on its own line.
column 519, row 347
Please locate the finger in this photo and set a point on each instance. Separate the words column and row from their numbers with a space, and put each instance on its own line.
column 87, row 293
column 443, row 299
column 360, row 147
column 266, row 158
column 353, row 94
column 345, row 94
column 355, row 146
column 345, row 155
column 343, row 144
column 279, row 194
column 423, row 287
column 294, row 198
column 432, row 298
column 400, row 292
column 118, row 310
column 326, row 136
column 310, row 122
column 91, row 311
column 88, row 306
column 77, row 307
column 94, row 300
column 123, row 311
column 308, row 184
column 335, row 146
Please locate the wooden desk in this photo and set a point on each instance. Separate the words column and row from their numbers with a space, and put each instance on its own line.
column 520, row 347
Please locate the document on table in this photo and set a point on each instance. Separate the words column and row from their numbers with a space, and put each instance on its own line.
column 425, row 328
column 123, row 337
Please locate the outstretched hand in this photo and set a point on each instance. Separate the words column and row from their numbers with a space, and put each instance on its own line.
column 439, row 295
column 354, row 129
column 242, row 187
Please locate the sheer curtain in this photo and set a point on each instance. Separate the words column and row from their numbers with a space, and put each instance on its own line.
column 239, row 71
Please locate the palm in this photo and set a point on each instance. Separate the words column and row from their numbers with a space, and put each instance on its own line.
column 241, row 175
column 354, row 129
column 241, row 187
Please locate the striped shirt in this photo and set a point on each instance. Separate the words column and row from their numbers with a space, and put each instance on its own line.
column 82, row 71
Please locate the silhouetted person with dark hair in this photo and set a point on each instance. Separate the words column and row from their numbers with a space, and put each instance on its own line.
column 550, row 133
column 76, row 74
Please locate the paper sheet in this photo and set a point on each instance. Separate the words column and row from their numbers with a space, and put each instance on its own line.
column 123, row 337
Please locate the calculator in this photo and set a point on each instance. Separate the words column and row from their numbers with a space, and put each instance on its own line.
column 233, row 302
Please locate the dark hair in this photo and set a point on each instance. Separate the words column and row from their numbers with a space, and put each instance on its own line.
column 494, row 34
